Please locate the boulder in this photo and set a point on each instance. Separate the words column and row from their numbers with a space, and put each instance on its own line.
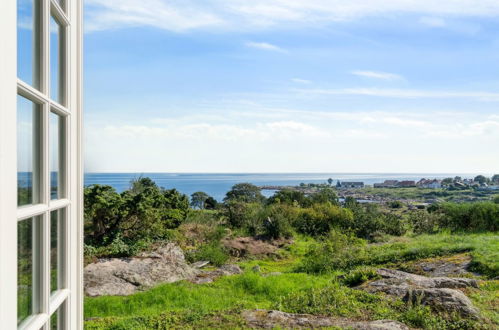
column 427, row 282
column 125, row 276
column 210, row 276
column 443, row 300
column 276, row 319
column 440, row 293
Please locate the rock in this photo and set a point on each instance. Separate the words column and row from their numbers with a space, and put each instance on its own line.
column 438, row 292
column 125, row 276
column 256, row 269
column 427, row 282
column 443, row 300
column 200, row 264
column 210, row 276
column 276, row 319
column 444, row 266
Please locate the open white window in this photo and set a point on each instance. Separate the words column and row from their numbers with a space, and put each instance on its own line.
column 40, row 164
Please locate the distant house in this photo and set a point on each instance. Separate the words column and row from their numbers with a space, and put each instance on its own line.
column 430, row 184
column 346, row 185
column 387, row 184
column 406, row 184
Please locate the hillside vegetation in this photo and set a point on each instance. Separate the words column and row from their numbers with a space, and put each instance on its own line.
column 332, row 248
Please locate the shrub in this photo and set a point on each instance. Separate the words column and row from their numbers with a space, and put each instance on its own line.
column 360, row 275
column 321, row 218
column 243, row 215
column 277, row 221
column 483, row 216
column 334, row 252
column 213, row 252
column 496, row 199
column 425, row 222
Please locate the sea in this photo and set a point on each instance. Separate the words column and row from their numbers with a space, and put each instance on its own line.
column 217, row 184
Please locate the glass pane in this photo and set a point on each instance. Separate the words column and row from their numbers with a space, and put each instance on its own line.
column 56, row 251
column 26, row 55
column 57, row 319
column 27, row 151
column 55, row 156
column 27, row 263
column 55, row 60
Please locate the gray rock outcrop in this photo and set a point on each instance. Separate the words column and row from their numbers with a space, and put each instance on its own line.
column 272, row 319
column 125, row 276
column 438, row 292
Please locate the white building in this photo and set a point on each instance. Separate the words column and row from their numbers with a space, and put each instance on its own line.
column 430, row 184
column 41, row 234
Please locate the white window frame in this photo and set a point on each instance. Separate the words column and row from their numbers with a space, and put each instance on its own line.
column 10, row 214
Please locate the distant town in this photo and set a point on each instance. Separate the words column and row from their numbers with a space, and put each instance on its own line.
column 479, row 182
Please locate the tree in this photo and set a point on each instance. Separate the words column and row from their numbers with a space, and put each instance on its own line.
column 290, row 197
column 210, row 203
column 447, row 181
column 198, row 199
column 244, row 192
column 495, row 178
column 103, row 213
column 330, row 181
column 480, row 179
column 326, row 195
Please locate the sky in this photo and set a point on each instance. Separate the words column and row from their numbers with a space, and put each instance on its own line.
column 292, row 86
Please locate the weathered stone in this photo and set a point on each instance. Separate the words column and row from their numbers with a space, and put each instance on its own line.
column 438, row 292
column 427, row 282
column 443, row 300
column 209, row 276
column 272, row 319
column 125, row 276
column 200, row 264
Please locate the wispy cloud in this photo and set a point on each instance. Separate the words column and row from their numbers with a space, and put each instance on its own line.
column 301, row 81
column 377, row 75
column 265, row 46
column 432, row 21
column 239, row 14
column 407, row 93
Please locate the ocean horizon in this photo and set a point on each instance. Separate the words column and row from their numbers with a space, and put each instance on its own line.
column 217, row 184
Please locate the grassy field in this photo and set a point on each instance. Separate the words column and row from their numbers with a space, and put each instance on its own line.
column 215, row 305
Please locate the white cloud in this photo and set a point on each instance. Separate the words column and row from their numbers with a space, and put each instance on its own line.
column 432, row 21
column 377, row 75
column 265, row 46
column 239, row 14
column 301, row 81
column 407, row 93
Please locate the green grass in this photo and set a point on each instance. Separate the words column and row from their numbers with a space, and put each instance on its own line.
column 218, row 304
column 247, row 290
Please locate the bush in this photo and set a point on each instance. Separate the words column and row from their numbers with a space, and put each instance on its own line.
column 277, row 224
column 336, row 251
column 360, row 275
column 243, row 215
column 483, row 216
column 213, row 252
column 321, row 218
column 424, row 222
column 496, row 199
column 369, row 221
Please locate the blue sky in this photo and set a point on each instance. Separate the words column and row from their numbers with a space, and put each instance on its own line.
column 292, row 86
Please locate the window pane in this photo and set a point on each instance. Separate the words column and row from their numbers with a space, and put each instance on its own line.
column 56, row 249
column 27, row 151
column 56, row 126
column 27, row 263
column 57, row 319
column 26, row 55
column 55, row 61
